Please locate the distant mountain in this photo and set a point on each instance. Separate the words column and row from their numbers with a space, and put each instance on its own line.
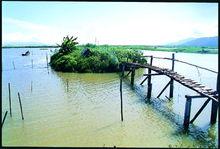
column 181, row 41
column 203, row 41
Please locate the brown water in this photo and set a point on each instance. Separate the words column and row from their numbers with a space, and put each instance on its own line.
column 88, row 113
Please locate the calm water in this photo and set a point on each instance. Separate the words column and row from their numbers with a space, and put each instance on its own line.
column 88, row 113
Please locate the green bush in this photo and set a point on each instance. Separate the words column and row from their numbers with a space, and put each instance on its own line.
column 101, row 59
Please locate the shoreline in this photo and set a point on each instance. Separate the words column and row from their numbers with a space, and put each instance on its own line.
column 180, row 49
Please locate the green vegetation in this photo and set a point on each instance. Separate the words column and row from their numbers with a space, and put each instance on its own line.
column 185, row 49
column 92, row 58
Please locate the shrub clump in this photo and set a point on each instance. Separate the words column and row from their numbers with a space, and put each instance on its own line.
column 69, row 58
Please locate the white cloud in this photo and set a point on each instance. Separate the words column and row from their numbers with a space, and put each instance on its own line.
column 150, row 30
column 27, row 32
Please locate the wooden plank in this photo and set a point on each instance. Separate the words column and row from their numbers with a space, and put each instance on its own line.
column 178, row 78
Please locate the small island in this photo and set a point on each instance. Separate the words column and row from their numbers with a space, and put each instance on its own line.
column 91, row 58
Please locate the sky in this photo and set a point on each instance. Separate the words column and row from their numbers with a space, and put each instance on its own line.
column 119, row 23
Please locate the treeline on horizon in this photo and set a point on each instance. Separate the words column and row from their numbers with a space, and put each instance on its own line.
column 168, row 48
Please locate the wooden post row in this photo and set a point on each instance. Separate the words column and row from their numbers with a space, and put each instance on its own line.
column 122, row 75
column 9, row 97
column 187, row 112
column 19, row 98
column 171, row 80
column 149, row 88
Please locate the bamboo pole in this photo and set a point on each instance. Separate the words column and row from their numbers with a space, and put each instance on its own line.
column 9, row 97
column 31, row 86
column 187, row 112
column 13, row 65
column 132, row 75
column 19, row 98
column 171, row 80
column 149, row 84
column 67, row 85
column 121, row 92
column 32, row 63
column 47, row 60
column 4, row 118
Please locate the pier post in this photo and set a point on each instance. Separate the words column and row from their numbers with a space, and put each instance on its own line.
column 187, row 112
column 13, row 64
column 67, row 85
column 19, row 98
column 4, row 118
column 47, row 60
column 214, row 112
column 31, row 86
column 32, row 63
column 132, row 75
column 149, row 84
column 171, row 80
column 122, row 75
column 9, row 97
column 214, row 109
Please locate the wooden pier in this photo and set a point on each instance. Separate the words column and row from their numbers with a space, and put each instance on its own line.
column 202, row 90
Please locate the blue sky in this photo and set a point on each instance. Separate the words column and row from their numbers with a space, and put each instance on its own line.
column 107, row 22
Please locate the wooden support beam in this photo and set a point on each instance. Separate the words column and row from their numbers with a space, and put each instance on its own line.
column 214, row 112
column 171, row 80
column 132, row 76
column 164, row 89
column 127, row 73
column 122, row 70
column 200, row 110
column 197, row 96
column 153, row 74
column 187, row 112
column 144, row 80
column 149, row 88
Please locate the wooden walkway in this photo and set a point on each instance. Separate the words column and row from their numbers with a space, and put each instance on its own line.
column 199, row 88
column 202, row 90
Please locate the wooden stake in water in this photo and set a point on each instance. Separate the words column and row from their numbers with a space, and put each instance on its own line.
column 121, row 99
column 13, row 64
column 32, row 63
column 20, row 106
column 122, row 75
column 31, row 86
column 67, row 85
column 9, row 96
column 47, row 60
column 4, row 117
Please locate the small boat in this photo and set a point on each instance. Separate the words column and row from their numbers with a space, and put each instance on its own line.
column 26, row 53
